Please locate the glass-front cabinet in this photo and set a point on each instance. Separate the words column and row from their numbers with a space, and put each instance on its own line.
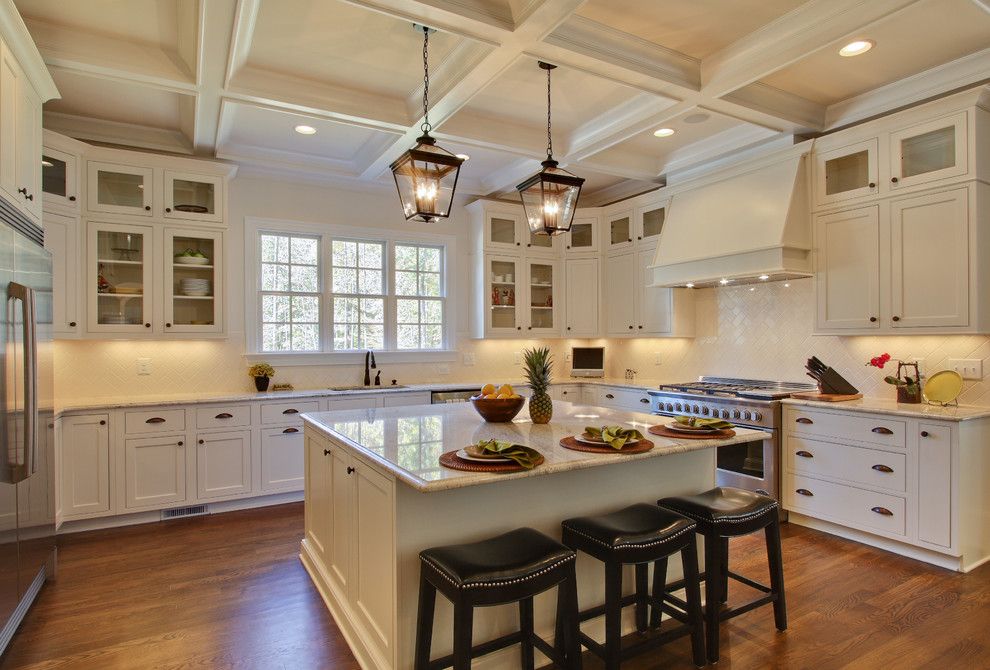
column 59, row 180
column 502, row 231
column 650, row 220
column 120, row 189
column 120, row 277
column 619, row 231
column 583, row 237
column 928, row 151
column 192, row 196
column 505, row 290
column 543, row 284
column 192, row 281
column 847, row 172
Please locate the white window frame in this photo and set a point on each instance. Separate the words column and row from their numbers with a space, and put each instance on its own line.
column 450, row 292
column 331, row 294
column 395, row 297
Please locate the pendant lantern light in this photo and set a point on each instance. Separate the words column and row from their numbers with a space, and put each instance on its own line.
column 426, row 175
column 550, row 196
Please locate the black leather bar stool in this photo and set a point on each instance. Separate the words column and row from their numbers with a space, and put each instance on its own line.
column 513, row 567
column 723, row 513
column 639, row 535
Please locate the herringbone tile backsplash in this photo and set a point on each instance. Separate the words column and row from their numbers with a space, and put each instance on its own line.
column 761, row 333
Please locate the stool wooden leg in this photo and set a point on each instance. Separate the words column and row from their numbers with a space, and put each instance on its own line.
column 659, row 588
column 613, row 615
column 713, row 583
column 526, row 627
column 724, row 571
column 692, row 587
column 776, row 560
column 568, row 626
column 424, row 623
column 463, row 631
column 642, row 596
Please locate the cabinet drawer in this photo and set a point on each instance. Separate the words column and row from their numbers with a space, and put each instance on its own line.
column 847, row 505
column 155, row 421
column 287, row 412
column 861, row 465
column 859, row 428
column 631, row 401
column 223, row 416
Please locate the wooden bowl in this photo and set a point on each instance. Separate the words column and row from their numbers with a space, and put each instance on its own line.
column 495, row 410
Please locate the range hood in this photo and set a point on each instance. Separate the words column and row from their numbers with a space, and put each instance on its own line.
column 749, row 224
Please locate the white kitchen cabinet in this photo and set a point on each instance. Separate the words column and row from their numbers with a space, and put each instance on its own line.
column 59, row 178
column 930, row 274
column 119, row 284
column 582, row 292
column 505, row 231
column 318, row 519
column 847, row 271
column 191, row 306
column 341, row 535
column 619, row 231
column 621, row 274
column 654, row 305
column 928, row 152
column 11, row 80
column 356, row 402
column 20, row 137
column 223, row 464
column 116, row 188
column 62, row 241
column 282, row 459
column 405, row 399
column 935, row 516
column 847, row 172
column 287, row 412
column 629, row 400
column 566, row 392
column 85, row 465
column 649, row 222
column 583, row 239
column 543, row 293
column 504, row 288
column 633, row 308
column 155, row 471
column 190, row 196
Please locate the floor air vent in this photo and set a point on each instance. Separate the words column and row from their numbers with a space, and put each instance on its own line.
column 179, row 512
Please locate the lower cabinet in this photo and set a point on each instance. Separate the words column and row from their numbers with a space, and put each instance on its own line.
column 318, row 486
column 155, row 471
column 223, row 464
column 85, row 465
column 282, row 459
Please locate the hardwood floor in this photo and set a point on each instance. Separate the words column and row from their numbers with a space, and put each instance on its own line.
column 228, row 591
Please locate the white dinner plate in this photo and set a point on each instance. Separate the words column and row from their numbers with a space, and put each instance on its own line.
column 500, row 459
column 691, row 429
column 597, row 443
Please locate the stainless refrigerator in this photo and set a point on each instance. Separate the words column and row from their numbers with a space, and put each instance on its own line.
column 27, row 483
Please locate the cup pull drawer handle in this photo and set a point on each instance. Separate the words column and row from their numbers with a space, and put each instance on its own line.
column 803, row 419
column 880, row 430
column 224, row 415
column 880, row 467
column 805, row 492
column 645, row 401
column 610, row 396
column 291, row 430
column 291, row 411
column 883, row 511
column 804, row 454
column 155, row 419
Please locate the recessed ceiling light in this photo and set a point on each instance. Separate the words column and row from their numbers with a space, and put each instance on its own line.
column 764, row 277
column 856, row 48
column 699, row 117
column 305, row 130
column 689, row 285
column 464, row 157
column 664, row 132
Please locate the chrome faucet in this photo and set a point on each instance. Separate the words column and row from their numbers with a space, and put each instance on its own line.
column 369, row 357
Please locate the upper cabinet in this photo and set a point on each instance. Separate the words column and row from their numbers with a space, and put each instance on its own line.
column 192, row 197
column 847, row 172
column 619, row 231
column 649, row 222
column 120, row 189
column 583, row 238
column 60, row 178
column 505, row 231
column 928, row 152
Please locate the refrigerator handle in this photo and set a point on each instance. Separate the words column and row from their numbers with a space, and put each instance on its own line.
column 26, row 295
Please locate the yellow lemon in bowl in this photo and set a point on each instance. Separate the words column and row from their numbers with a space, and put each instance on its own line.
column 506, row 389
column 487, row 389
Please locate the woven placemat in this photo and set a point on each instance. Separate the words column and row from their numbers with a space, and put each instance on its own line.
column 454, row 462
column 663, row 431
column 572, row 443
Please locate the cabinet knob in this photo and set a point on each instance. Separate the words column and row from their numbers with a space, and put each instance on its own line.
column 202, row 441
column 568, row 246
column 72, row 324
column 168, row 210
column 805, row 492
column 630, row 327
column 883, row 511
column 640, row 327
column 804, row 454
column 518, row 244
column 179, row 443
column 925, row 433
column 529, row 327
column 880, row 467
column 147, row 208
column 894, row 180
column 29, row 196
column 350, row 470
column 872, row 184
column 638, row 237
column 873, row 319
column 528, row 245
column 326, row 452
column 645, row 401
column 147, row 325
column 103, row 422
column 568, row 327
column 168, row 325
column 23, row 191
column 896, row 318
column 629, row 240
column 518, row 327
column 72, row 198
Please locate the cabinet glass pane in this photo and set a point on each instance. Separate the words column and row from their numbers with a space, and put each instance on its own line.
column 119, row 188
column 582, row 235
column 847, row 173
column 928, row 152
column 193, row 274
column 619, row 230
column 193, row 196
column 653, row 222
column 53, row 176
column 502, row 275
column 540, row 241
column 503, row 231
column 120, row 258
column 541, row 295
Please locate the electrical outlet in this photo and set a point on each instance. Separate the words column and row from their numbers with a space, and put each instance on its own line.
column 144, row 366
column 657, row 359
column 469, row 359
column 969, row 368
column 517, row 357
column 443, row 369
column 567, row 357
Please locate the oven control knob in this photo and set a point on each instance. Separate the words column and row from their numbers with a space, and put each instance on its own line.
column 678, row 407
column 696, row 409
column 735, row 414
column 725, row 414
column 704, row 410
column 747, row 415
column 669, row 407
column 757, row 416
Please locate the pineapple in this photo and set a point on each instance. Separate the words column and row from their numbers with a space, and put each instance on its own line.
column 537, row 364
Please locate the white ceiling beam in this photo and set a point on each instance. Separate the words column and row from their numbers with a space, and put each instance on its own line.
column 622, row 130
column 622, row 190
column 114, row 132
column 459, row 63
column 216, row 22
column 808, row 28
column 245, row 20
column 779, row 104
column 727, row 142
column 509, row 175
column 482, row 23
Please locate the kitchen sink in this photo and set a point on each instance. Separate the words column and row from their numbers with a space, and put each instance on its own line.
column 362, row 387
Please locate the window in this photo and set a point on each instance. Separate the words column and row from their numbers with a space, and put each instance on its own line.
column 419, row 307
column 325, row 289
column 290, row 298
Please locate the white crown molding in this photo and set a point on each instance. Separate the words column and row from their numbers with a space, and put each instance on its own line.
column 632, row 126
column 617, row 192
column 252, row 170
column 116, row 133
column 805, row 114
column 728, row 143
column 22, row 45
column 618, row 124
column 970, row 70
column 288, row 161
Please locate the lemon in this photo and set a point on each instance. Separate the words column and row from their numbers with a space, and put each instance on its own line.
column 488, row 389
column 506, row 389
column 490, row 396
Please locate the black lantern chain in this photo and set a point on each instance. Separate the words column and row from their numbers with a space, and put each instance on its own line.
column 426, row 127
column 549, row 134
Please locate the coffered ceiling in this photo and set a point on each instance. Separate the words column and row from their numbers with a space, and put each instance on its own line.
column 232, row 78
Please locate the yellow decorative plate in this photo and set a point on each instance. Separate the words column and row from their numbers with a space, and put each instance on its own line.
column 944, row 386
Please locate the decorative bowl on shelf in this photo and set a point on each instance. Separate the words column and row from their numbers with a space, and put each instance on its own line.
column 191, row 260
column 497, row 410
column 195, row 209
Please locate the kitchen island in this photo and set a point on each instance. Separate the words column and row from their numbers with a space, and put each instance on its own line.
column 376, row 496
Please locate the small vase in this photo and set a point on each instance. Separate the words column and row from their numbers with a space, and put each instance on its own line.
column 909, row 396
column 261, row 383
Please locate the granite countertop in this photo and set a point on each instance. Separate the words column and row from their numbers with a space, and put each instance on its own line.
column 408, row 441
column 891, row 407
column 116, row 402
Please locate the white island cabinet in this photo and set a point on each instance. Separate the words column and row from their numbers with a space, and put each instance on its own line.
column 376, row 496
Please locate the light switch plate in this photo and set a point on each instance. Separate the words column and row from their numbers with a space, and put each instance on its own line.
column 469, row 359
column 144, row 366
column 443, row 369
column 517, row 356
column 969, row 368
column 657, row 359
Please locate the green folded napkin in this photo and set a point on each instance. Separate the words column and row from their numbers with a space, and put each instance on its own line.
column 524, row 456
column 698, row 422
column 616, row 436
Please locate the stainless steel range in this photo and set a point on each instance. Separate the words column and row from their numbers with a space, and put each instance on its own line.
column 749, row 403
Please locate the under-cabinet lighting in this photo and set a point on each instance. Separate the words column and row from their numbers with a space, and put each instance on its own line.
column 764, row 277
column 856, row 48
column 464, row 157
column 305, row 130
column 724, row 281
column 751, row 288
column 690, row 285
column 664, row 132
column 787, row 285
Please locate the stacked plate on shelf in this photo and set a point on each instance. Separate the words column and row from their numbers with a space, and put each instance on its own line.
column 194, row 287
